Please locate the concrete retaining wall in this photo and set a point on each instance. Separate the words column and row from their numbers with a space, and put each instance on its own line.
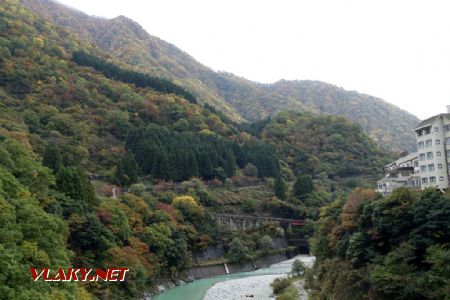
column 208, row 271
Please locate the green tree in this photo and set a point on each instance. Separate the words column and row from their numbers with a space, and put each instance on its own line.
column 52, row 157
column 230, row 163
column 73, row 182
column 279, row 285
column 220, row 174
column 266, row 242
column 250, row 170
column 280, row 188
column 206, row 167
column 303, row 186
column 249, row 205
column 137, row 189
column 29, row 236
column 118, row 124
column 238, row 252
column 298, row 267
column 186, row 164
column 127, row 171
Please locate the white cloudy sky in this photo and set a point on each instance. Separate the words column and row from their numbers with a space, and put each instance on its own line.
column 396, row 50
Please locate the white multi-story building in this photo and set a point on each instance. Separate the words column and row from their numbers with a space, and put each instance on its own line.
column 429, row 166
column 433, row 147
column 402, row 172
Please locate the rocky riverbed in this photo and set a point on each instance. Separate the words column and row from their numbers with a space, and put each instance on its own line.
column 255, row 287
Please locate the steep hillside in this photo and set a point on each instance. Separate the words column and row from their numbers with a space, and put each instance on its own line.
column 128, row 41
column 66, row 111
column 324, row 144
column 237, row 97
column 69, row 113
column 384, row 122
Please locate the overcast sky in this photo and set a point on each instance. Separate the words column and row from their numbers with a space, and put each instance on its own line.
column 396, row 50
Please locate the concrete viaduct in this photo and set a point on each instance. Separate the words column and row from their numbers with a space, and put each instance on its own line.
column 249, row 222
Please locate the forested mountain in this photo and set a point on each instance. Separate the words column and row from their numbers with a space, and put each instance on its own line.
column 382, row 121
column 74, row 120
column 237, row 97
column 66, row 112
column 125, row 39
column 324, row 144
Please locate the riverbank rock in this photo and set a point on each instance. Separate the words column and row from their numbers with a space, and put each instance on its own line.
column 258, row 286
column 254, row 287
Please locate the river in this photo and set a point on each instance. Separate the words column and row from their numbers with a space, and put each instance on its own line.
column 197, row 289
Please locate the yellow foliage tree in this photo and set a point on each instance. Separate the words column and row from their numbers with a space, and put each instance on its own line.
column 189, row 207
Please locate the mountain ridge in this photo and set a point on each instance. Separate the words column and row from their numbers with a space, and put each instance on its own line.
column 238, row 98
column 68, row 111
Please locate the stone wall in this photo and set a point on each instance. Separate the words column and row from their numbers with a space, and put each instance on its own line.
column 211, row 253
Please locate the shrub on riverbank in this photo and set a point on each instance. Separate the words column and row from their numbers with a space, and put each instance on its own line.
column 284, row 289
column 280, row 284
column 298, row 267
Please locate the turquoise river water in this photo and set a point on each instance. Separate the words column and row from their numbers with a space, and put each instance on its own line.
column 196, row 290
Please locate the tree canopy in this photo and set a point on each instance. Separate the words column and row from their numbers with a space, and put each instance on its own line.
column 387, row 247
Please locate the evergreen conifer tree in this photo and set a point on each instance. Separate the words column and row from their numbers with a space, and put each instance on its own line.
column 280, row 188
column 303, row 186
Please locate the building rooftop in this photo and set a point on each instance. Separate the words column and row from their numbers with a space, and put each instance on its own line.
column 429, row 121
column 407, row 158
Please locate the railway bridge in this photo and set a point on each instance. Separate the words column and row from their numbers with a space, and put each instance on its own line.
column 248, row 221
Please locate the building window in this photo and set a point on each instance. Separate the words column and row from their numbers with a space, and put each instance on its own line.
column 436, row 129
column 447, row 140
column 416, row 163
column 430, row 167
column 422, row 156
column 438, row 153
column 424, row 180
column 423, row 169
column 447, row 127
column 439, row 166
column 428, row 143
column 441, row 178
column 432, row 179
column 437, row 142
column 427, row 130
column 420, row 145
column 429, row 155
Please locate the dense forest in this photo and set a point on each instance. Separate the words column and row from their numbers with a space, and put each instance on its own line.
column 169, row 155
column 62, row 124
column 369, row 247
column 325, row 144
column 75, row 123
column 237, row 97
column 139, row 79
